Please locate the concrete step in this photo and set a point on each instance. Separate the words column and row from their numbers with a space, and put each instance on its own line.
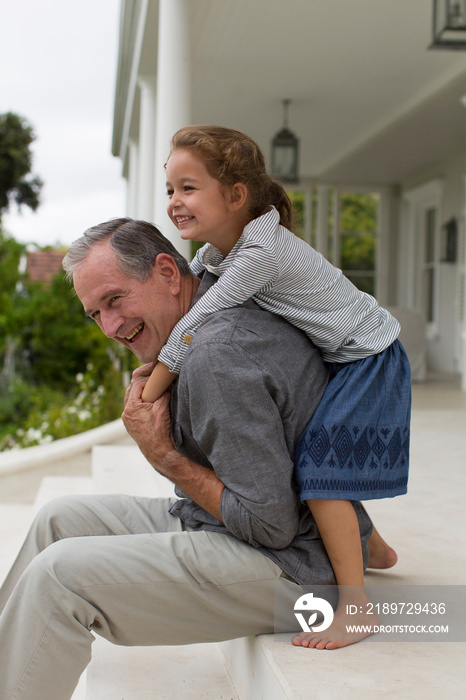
column 123, row 469
column 15, row 519
column 270, row 668
column 191, row 672
column 81, row 688
column 255, row 674
column 56, row 486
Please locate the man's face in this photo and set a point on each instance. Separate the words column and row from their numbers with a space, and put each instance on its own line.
column 138, row 315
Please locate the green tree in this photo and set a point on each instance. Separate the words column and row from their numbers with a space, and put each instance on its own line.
column 297, row 200
column 18, row 185
column 358, row 238
column 16, row 182
column 358, row 212
column 10, row 255
column 67, row 376
column 57, row 340
column 10, row 277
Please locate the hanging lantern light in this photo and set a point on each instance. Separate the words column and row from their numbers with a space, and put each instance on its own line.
column 285, row 150
column 449, row 25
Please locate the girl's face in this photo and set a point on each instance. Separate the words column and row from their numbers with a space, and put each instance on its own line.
column 198, row 206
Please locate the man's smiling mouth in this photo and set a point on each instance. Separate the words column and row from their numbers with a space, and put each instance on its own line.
column 131, row 336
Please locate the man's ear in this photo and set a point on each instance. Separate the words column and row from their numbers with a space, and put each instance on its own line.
column 238, row 196
column 167, row 270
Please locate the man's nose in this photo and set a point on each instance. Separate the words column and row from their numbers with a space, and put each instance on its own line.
column 110, row 322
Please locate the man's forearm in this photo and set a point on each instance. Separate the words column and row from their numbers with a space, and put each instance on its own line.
column 202, row 485
column 149, row 425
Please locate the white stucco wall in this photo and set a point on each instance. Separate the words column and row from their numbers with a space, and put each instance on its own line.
column 444, row 347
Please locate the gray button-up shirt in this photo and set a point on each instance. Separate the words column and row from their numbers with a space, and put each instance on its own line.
column 249, row 385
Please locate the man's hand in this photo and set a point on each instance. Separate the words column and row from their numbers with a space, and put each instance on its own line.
column 150, row 426
column 148, row 423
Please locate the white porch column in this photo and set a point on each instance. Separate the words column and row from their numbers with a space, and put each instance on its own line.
column 173, row 102
column 383, row 258
column 462, row 289
column 336, row 247
column 463, row 361
column 322, row 220
column 145, row 193
column 132, row 181
column 308, row 213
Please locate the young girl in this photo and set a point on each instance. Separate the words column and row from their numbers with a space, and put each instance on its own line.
column 356, row 445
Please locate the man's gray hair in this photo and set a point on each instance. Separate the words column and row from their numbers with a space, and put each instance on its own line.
column 135, row 243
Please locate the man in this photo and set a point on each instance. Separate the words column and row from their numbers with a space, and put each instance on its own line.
column 200, row 568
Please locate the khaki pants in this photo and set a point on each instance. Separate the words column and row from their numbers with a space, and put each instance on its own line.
column 123, row 568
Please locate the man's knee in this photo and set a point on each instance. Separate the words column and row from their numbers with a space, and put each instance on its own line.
column 55, row 520
column 50, row 589
column 60, row 565
column 56, row 507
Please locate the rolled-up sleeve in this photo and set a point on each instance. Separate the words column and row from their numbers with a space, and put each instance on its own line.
column 236, row 423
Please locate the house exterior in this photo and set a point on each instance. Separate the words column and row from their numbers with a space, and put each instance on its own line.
column 43, row 265
column 375, row 110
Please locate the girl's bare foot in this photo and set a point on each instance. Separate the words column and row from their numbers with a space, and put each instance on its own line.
column 381, row 555
column 344, row 630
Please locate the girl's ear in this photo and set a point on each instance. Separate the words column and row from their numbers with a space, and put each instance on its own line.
column 238, row 196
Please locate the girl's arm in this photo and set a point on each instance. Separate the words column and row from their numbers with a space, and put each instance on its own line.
column 196, row 265
column 158, row 382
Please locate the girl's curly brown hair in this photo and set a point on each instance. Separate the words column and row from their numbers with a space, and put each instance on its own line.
column 230, row 157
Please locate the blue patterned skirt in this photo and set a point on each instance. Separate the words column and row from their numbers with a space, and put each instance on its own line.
column 356, row 446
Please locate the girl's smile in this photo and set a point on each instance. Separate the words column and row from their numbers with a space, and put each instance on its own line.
column 198, row 206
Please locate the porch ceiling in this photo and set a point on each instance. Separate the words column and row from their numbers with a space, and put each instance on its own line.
column 370, row 102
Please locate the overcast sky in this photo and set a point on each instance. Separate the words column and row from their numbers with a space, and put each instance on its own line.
column 58, row 70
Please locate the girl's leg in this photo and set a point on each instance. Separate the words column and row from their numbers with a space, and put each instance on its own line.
column 381, row 555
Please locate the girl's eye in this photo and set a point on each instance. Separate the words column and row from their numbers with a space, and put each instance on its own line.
column 169, row 193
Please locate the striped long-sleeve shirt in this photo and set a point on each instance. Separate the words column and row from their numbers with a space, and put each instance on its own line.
column 288, row 277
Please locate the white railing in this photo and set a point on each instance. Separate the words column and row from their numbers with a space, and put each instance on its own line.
column 41, row 455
